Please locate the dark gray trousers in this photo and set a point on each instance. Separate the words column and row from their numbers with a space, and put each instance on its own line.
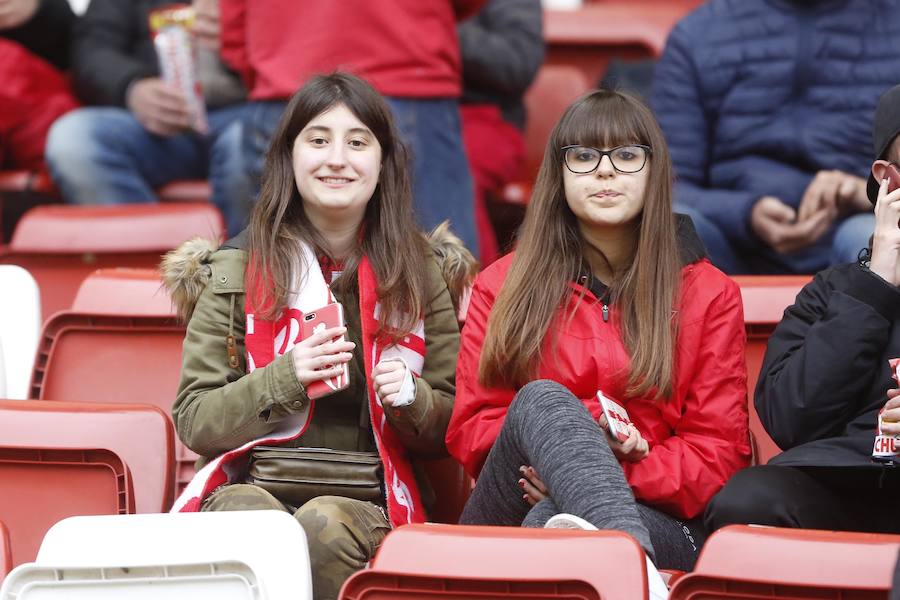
column 550, row 429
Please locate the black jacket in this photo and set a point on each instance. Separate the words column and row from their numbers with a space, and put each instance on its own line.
column 47, row 33
column 825, row 375
column 502, row 48
column 111, row 47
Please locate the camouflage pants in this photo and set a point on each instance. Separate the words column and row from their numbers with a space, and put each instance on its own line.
column 343, row 534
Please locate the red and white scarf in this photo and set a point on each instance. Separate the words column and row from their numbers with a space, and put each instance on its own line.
column 266, row 340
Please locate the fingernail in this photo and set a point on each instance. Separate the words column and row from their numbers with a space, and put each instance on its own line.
column 525, row 497
column 522, row 469
column 522, row 483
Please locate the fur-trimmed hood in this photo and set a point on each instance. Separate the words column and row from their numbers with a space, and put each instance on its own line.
column 186, row 271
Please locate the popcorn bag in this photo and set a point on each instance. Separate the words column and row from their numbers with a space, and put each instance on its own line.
column 887, row 447
column 170, row 28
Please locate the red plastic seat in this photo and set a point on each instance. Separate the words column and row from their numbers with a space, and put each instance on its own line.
column 452, row 561
column 185, row 191
column 5, row 552
column 141, row 435
column 588, row 38
column 60, row 459
column 124, row 291
column 553, row 90
column 109, row 358
column 60, row 245
column 765, row 299
column 753, row 563
column 139, row 292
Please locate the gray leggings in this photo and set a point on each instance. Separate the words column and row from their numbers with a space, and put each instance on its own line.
column 548, row 428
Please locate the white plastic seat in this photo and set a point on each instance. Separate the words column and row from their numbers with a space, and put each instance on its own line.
column 20, row 328
column 271, row 543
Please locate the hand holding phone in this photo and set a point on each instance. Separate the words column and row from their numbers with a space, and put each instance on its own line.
column 616, row 417
column 321, row 358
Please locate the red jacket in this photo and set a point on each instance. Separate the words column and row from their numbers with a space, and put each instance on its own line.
column 405, row 48
column 698, row 438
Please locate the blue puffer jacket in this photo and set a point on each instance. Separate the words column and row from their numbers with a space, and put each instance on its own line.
column 756, row 96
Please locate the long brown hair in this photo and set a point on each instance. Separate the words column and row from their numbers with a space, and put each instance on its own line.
column 389, row 237
column 550, row 254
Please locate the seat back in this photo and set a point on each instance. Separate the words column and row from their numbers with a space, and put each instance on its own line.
column 765, row 299
column 61, row 245
column 41, row 486
column 272, row 543
column 140, row 435
column 20, row 326
column 110, row 358
column 124, row 293
column 752, row 563
column 424, row 561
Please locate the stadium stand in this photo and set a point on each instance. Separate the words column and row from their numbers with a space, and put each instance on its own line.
column 5, row 552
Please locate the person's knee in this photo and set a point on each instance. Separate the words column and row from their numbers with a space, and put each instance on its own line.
column 538, row 395
column 343, row 535
column 241, row 496
column 67, row 139
column 747, row 498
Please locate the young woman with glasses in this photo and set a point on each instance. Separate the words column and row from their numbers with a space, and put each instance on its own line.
column 609, row 292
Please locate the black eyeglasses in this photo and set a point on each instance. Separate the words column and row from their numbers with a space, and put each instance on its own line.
column 624, row 159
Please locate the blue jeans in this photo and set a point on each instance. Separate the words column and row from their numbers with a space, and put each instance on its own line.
column 103, row 155
column 840, row 244
column 431, row 129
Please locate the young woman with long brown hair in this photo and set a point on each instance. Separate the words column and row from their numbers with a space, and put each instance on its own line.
column 333, row 225
column 607, row 291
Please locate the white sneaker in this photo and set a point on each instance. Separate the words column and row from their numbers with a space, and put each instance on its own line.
column 655, row 584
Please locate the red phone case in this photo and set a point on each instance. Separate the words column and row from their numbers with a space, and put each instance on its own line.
column 326, row 317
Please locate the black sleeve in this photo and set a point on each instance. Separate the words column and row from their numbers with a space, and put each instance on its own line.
column 502, row 47
column 104, row 56
column 821, row 360
column 48, row 33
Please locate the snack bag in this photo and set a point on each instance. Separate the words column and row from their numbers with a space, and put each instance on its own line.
column 170, row 28
column 616, row 416
column 887, row 447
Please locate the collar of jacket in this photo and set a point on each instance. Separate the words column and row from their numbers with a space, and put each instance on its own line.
column 690, row 249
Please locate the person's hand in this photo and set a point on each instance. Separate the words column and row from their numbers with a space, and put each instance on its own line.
column 833, row 190
column 775, row 223
column 14, row 13
column 387, row 379
column 890, row 418
column 159, row 107
column 885, row 261
column 206, row 23
column 532, row 486
column 317, row 357
column 634, row 449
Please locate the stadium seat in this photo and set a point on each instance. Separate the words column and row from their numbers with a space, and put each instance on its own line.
column 5, row 552
column 271, row 543
column 553, row 90
column 756, row 563
column 588, row 38
column 124, row 293
column 60, row 245
column 185, row 191
column 765, row 299
column 453, row 561
column 20, row 326
column 110, row 357
column 140, row 435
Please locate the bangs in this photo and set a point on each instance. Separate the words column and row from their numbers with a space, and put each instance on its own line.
column 602, row 119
